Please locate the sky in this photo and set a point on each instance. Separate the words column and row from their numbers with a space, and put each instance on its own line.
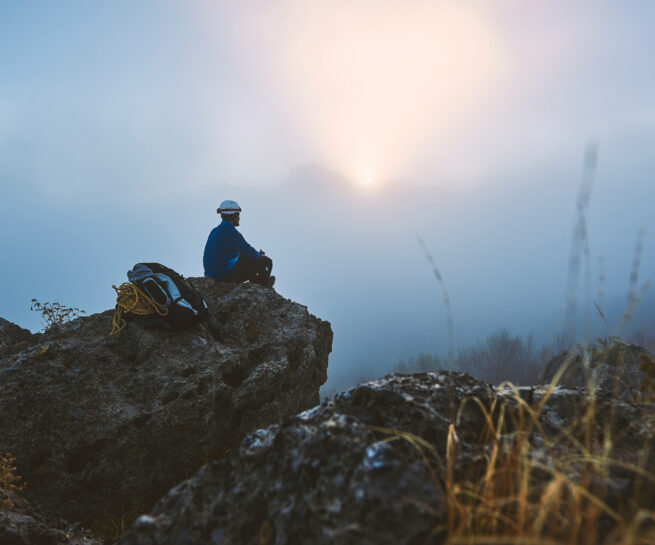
column 345, row 130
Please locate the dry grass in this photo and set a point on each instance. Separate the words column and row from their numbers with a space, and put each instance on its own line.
column 9, row 479
column 115, row 526
column 514, row 492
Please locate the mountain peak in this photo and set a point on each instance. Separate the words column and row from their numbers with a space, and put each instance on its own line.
column 314, row 176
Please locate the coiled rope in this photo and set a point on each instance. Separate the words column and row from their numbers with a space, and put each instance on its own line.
column 129, row 298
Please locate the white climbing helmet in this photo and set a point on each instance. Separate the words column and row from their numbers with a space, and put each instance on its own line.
column 229, row 207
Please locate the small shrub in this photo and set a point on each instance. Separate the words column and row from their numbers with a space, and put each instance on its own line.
column 115, row 526
column 55, row 314
column 500, row 357
column 642, row 337
column 424, row 363
column 9, row 479
column 503, row 357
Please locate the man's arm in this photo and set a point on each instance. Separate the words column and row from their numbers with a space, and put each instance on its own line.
column 245, row 249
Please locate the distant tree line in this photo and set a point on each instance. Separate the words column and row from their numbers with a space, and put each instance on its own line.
column 505, row 357
column 500, row 357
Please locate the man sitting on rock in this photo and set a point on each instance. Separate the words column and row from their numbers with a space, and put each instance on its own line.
column 229, row 258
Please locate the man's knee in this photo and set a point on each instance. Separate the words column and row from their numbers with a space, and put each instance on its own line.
column 267, row 263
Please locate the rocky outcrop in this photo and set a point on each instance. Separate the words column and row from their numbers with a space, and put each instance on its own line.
column 616, row 367
column 12, row 337
column 21, row 525
column 102, row 427
column 370, row 465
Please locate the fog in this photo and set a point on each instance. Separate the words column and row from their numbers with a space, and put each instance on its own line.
column 344, row 137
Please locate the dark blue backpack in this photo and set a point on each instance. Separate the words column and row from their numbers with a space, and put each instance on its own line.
column 181, row 304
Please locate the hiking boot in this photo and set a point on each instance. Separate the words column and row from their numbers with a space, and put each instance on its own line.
column 271, row 281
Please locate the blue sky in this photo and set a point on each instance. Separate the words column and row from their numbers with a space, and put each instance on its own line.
column 123, row 124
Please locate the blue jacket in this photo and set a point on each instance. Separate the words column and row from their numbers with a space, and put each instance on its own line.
column 224, row 246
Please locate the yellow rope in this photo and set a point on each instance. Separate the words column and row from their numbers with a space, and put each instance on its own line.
column 131, row 299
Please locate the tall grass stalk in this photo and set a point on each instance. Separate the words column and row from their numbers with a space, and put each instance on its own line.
column 600, row 296
column 580, row 245
column 635, row 296
column 449, row 316
column 446, row 299
column 636, row 265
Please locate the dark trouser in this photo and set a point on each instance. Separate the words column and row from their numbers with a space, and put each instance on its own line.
column 255, row 270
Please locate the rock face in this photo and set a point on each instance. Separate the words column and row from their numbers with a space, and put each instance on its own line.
column 102, row 427
column 21, row 525
column 332, row 474
column 12, row 337
column 617, row 367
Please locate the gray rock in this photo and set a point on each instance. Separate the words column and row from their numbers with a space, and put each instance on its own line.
column 22, row 525
column 331, row 475
column 102, row 426
column 12, row 336
column 616, row 367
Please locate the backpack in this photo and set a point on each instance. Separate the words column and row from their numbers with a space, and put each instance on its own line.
column 170, row 291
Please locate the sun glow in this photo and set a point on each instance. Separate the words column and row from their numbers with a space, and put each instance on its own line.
column 374, row 80
column 367, row 182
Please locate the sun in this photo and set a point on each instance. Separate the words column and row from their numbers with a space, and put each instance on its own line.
column 366, row 179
